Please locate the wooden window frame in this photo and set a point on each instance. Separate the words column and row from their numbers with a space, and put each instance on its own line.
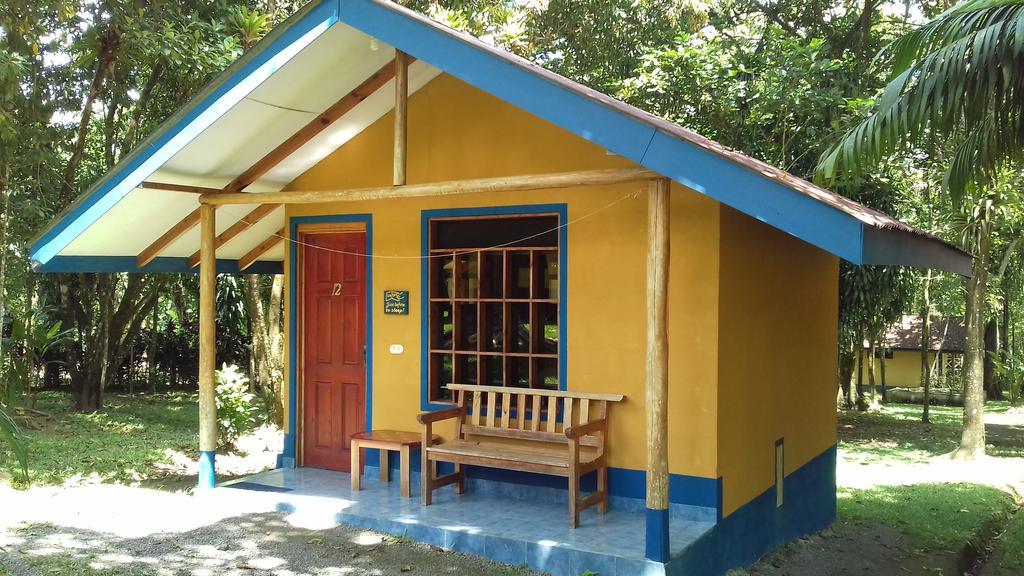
column 459, row 296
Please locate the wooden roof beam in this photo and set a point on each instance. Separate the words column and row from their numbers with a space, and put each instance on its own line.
column 274, row 157
column 450, row 188
column 247, row 221
column 167, row 186
column 262, row 248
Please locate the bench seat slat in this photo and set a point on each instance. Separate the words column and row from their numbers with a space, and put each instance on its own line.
column 539, row 436
column 526, row 454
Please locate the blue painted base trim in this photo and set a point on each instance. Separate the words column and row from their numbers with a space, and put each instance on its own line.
column 657, row 535
column 207, row 469
column 690, row 497
column 739, row 539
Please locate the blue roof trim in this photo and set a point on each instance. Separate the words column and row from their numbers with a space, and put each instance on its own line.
column 225, row 91
column 762, row 198
column 160, row 265
column 706, row 172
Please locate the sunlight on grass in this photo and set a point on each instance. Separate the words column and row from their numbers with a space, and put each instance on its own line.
column 933, row 516
column 129, row 441
column 895, row 433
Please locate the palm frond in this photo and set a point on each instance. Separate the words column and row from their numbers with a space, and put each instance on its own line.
column 959, row 75
column 15, row 440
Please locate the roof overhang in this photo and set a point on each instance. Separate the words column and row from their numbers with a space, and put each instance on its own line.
column 331, row 46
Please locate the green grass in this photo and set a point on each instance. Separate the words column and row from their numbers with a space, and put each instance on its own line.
column 1009, row 553
column 60, row 565
column 121, row 444
column 896, row 433
column 932, row 516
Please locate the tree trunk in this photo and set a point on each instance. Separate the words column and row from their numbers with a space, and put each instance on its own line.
column 6, row 194
column 106, row 54
column 881, row 367
column 151, row 353
column 859, row 390
column 847, row 361
column 972, row 438
column 926, row 344
column 871, row 373
column 258, row 322
column 991, row 340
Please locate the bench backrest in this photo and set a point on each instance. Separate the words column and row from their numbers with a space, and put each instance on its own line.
column 529, row 413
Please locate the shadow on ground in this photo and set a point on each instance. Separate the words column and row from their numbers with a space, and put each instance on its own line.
column 253, row 545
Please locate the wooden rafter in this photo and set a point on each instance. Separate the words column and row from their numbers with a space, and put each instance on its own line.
column 450, row 188
column 275, row 156
column 237, row 228
column 178, row 188
column 262, row 248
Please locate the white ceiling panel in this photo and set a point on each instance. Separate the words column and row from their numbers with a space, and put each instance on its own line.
column 133, row 223
column 322, row 73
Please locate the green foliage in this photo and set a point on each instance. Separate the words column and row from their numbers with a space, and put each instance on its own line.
column 958, row 76
column 934, row 516
column 34, row 339
column 12, row 437
column 133, row 440
column 1009, row 368
column 235, row 408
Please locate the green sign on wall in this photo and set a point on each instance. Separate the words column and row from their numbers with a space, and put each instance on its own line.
column 396, row 301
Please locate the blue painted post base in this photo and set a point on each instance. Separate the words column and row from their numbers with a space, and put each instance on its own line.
column 657, row 535
column 207, row 469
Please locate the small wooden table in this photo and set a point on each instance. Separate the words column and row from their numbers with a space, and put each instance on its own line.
column 386, row 440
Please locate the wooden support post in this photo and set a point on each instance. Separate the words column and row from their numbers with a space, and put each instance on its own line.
column 401, row 115
column 658, row 210
column 207, row 347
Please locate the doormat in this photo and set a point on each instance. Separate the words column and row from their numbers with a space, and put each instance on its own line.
column 257, row 487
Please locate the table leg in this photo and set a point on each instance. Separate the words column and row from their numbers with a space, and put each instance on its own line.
column 403, row 471
column 355, row 472
column 384, row 471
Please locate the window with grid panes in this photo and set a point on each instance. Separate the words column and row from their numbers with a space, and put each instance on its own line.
column 494, row 309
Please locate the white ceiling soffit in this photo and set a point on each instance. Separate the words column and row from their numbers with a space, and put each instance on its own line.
column 329, row 68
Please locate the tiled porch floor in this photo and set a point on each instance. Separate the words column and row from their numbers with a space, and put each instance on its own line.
column 510, row 530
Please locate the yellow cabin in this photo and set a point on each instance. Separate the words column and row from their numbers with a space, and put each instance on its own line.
column 447, row 214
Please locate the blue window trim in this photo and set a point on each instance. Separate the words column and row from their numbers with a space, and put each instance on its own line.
column 291, row 435
column 562, row 210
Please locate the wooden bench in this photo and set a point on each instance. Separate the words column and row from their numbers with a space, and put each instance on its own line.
column 544, row 431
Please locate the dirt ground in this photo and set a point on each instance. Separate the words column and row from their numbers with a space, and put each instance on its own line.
column 253, row 545
column 854, row 548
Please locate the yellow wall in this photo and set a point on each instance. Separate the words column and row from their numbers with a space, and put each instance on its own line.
column 456, row 131
column 777, row 354
column 903, row 370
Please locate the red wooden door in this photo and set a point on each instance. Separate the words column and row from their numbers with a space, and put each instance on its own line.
column 334, row 347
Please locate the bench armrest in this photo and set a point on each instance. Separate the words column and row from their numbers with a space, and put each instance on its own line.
column 574, row 432
column 428, row 417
